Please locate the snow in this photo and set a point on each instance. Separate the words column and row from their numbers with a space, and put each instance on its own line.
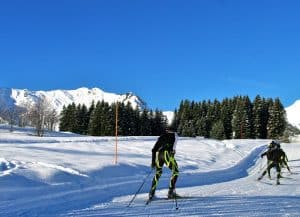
column 169, row 115
column 59, row 98
column 293, row 114
column 64, row 174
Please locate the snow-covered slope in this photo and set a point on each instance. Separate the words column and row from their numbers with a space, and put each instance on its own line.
column 293, row 114
column 63, row 174
column 169, row 115
column 59, row 98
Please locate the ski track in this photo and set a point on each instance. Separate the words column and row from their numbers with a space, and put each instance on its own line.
column 232, row 204
column 227, row 191
column 228, row 203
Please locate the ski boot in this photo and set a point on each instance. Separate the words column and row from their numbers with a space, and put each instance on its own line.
column 172, row 194
column 259, row 178
column 151, row 194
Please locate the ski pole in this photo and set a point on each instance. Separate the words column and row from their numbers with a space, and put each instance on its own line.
column 176, row 205
column 140, row 188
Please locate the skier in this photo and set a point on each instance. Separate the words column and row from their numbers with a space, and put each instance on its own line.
column 268, row 155
column 163, row 153
column 284, row 160
column 275, row 155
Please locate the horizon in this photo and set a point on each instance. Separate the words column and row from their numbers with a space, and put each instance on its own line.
column 163, row 52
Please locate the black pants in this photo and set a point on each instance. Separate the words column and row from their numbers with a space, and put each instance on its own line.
column 272, row 164
column 284, row 163
column 165, row 157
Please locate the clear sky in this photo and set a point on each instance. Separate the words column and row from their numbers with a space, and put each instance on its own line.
column 162, row 50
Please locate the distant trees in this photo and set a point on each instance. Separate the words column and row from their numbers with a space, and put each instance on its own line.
column 231, row 118
column 235, row 118
column 99, row 120
column 11, row 114
column 42, row 115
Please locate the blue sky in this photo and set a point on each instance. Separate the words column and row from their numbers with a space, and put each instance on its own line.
column 164, row 51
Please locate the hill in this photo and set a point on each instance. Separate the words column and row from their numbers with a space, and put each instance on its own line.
column 293, row 114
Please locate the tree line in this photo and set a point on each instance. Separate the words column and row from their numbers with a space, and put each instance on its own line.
column 100, row 120
column 232, row 118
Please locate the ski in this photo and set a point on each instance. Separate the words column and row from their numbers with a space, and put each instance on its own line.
column 178, row 197
column 166, row 198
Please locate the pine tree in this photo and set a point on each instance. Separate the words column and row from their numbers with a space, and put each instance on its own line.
column 145, row 129
column 258, row 115
column 226, row 117
column 159, row 123
column 277, row 120
column 63, row 119
column 217, row 131
column 106, row 128
column 184, row 116
column 248, row 118
column 188, row 129
column 68, row 118
column 209, row 118
column 265, row 116
column 175, row 122
column 95, row 121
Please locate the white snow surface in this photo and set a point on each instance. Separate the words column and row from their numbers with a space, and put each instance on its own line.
column 63, row 174
column 293, row 114
column 169, row 115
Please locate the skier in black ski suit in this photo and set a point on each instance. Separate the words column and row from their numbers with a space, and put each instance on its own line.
column 284, row 160
column 163, row 153
column 275, row 156
column 268, row 154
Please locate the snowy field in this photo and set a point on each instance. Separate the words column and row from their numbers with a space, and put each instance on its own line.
column 69, row 175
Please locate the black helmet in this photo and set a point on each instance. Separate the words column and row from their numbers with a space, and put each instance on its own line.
column 272, row 144
column 275, row 144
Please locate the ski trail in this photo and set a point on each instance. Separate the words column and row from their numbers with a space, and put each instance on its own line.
column 61, row 168
column 166, row 208
column 241, row 197
column 7, row 167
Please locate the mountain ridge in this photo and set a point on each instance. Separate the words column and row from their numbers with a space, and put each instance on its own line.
column 10, row 97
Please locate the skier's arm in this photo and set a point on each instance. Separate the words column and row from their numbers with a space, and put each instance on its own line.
column 154, row 150
column 285, row 157
column 175, row 142
column 263, row 154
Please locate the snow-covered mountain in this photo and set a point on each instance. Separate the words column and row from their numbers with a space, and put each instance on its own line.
column 58, row 98
column 293, row 114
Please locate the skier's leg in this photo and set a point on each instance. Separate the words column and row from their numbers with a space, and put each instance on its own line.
column 278, row 169
column 158, row 166
column 287, row 166
column 175, row 172
column 266, row 170
column 269, row 169
column 173, row 166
